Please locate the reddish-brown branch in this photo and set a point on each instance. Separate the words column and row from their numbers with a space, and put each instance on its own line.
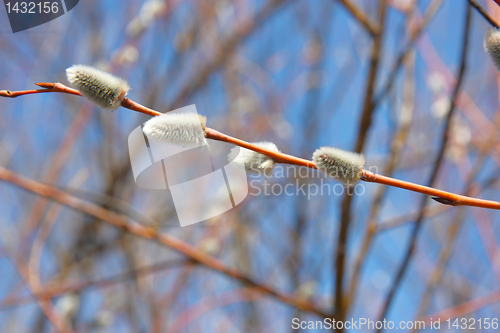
column 414, row 35
column 361, row 16
column 364, row 126
column 398, row 141
column 150, row 233
column 130, row 104
column 33, row 219
column 45, row 303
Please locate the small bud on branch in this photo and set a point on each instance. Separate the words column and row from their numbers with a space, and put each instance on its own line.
column 252, row 161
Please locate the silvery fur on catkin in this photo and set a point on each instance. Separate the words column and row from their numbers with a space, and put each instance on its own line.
column 102, row 88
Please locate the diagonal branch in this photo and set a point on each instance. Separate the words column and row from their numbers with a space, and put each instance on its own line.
column 133, row 227
column 429, row 14
column 61, row 88
column 57, row 288
column 466, row 308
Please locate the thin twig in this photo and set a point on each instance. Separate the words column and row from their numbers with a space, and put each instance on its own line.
column 417, row 226
column 364, row 126
column 368, row 176
column 133, row 227
column 450, row 198
column 361, row 16
column 429, row 211
column 368, row 104
column 53, row 316
column 391, row 80
column 130, row 104
column 61, row 88
column 466, row 308
column 485, row 14
column 398, row 221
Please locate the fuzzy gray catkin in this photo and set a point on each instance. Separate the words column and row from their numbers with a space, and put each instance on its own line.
column 339, row 164
column 177, row 128
column 102, row 88
column 492, row 45
column 252, row 161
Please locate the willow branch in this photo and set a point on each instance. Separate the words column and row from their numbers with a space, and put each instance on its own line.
column 483, row 12
column 225, row 51
column 364, row 126
column 48, row 309
column 448, row 198
column 140, row 230
column 61, row 88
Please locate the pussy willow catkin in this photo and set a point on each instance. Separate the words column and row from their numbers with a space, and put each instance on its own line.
column 252, row 161
column 492, row 45
column 102, row 88
column 177, row 128
column 339, row 164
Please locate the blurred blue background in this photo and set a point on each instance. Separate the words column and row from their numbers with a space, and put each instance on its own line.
column 292, row 72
